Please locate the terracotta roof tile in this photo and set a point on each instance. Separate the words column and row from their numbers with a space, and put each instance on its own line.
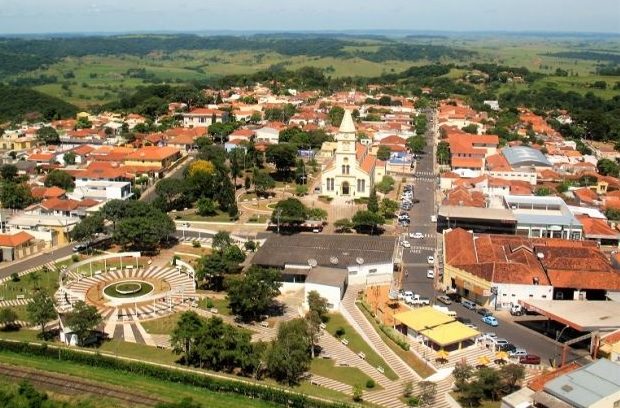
column 14, row 240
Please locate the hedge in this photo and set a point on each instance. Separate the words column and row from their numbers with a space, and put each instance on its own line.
column 388, row 331
column 249, row 390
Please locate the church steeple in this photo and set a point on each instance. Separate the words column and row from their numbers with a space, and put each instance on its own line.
column 347, row 125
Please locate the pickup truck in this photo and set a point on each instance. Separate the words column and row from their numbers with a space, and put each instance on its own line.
column 417, row 300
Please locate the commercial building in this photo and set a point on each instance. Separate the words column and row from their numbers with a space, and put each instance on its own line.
column 491, row 220
column 547, row 217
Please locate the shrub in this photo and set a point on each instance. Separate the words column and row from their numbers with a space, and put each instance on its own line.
column 394, row 337
column 15, row 277
column 340, row 332
column 196, row 244
column 209, row 303
column 370, row 383
column 413, row 402
column 75, row 258
column 357, row 393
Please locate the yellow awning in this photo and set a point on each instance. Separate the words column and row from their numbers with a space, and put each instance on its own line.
column 422, row 318
column 450, row 333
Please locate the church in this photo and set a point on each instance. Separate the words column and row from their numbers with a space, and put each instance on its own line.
column 352, row 171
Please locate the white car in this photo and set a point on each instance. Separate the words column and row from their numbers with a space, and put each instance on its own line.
column 406, row 244
column 416, row 235
column 430, row 259
column 430, row 273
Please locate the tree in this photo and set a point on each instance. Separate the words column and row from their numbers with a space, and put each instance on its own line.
column 250, row 245
column 607, row 167
column 225, row 195
column 343, row 225
column 373, row 201
column 511, row 375
column 262, row 183
column 247, row 182
column 252, row 295
column 8, row 317
column 206, row 206
column 388, row 207
column 290, row 211
column 282, row 156
column 542, row 191
column 358, row 393
column 221, row 241
column 314, row 329
column 88, row 227
column 60, row 179
column 172, row 194
column 317, row 303
column 14, row 195
column 41, row 310
column 183, row 337
column 407, row 389
column 211, row 268
column 416, row 144
column 462, row 373
column 301, row 175
column 443, row 153
column 335, row 115
column 144, row 230
column 288, row 356
column 489, row 381
column 8, row 172
column 69, row 158
column 233, row 255
column 384, row 152
column 612, row 214
column 471, row 128
column 48, row 135
column 256, row 117
column 367, row 221
column 428, row 390
column 385, row 185
column 83, row 319
column 317, row 214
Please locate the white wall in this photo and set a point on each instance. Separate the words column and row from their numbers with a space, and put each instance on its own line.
column 512, row 293
column 268, row 135
column 371, row 273
column 331, row 293
column 529, row 177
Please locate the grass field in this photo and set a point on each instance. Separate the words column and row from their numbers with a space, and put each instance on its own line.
column 346, row 375
column 8, row 384
column 357, row 344
column 47, row 281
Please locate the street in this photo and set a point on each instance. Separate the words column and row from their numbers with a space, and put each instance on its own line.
column 416, row 265
column 36, row 261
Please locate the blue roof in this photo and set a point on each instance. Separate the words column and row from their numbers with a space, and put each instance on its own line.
column 587, row 385
column 525, row 156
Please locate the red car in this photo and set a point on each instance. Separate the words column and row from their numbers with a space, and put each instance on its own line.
column 529, row 359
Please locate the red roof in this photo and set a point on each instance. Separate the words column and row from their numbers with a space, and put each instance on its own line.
column 586, row 195
column 461, row 196
column 467, row 162
column 47, row 192
column 206, row 111
column 152, row 153
column 393, row 140
column 15, row 240
column 596, row 227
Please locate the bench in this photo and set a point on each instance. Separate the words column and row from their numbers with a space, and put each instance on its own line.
column 380, row 369
column 322, row 326
column 264, row 324
column 20, row 297
column 1, row 299
column 362, row 355
column 112, row 269
column 345, row 342
column 313, row 382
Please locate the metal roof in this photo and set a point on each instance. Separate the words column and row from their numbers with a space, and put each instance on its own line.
column 525, row 156
column 587, row 385
column 582, row 315
column 454, row 212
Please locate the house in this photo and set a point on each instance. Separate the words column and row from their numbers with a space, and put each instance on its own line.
column 16, row 245
column 352, row 172
column 47, row 192
column 101, row 190
column 153, row 156
column 270, row 133
column 242, row 135
column 204, row 117
column 501, row 270
column 53, row 229
column 330, row 283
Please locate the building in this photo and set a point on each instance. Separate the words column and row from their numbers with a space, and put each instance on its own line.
column 101, row 190
column 270, row 133
column 366, row 259
column 523, row 156
column 203, row 117
column 153, row 156
column 500, row 270
column 492, row 220
column 596, row 385
column 53, row 229
column 330, row 283
column 547, row 217
column 352, row 172
column 16, row 245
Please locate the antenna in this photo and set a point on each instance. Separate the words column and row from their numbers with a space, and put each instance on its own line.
column 333, row 260
column 312, row 262
column 359, row 260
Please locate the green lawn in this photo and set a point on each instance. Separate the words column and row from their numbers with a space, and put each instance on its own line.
column 219, row 303
column 483, row 403
column 419, row 366
column 357, row 344
column 48, row 281
column 218, row 217
column 346, row 375
column 259, row 218
column 163, row 325
column 138, row 351
column 9, row 385
column 164, row 390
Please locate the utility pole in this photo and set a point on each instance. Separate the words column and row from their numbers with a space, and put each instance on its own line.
column 278, row 214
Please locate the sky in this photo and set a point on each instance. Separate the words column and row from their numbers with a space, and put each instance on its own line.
column 54, row 16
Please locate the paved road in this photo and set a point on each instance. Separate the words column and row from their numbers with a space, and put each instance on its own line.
column 416, row 265
column 36, row 261
column 177, row 173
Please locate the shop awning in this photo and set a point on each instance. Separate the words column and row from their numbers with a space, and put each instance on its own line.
column 423, row 318
column 449, row 333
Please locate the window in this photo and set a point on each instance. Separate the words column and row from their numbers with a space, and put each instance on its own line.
column 353, row 272
column 374, row 270
column 345, row 169
column 361, row 185
column 330, row 184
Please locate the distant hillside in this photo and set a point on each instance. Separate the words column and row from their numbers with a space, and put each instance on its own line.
column 18, row 103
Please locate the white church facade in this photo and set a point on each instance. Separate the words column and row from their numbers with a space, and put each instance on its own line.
column 353, row 171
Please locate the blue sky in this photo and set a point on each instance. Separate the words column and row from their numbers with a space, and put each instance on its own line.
column 37, row 16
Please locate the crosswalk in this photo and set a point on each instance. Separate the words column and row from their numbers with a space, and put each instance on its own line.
column 424, row 173
column 419, row 249
column 14, row 302
column 202, row 240
column 50, row 265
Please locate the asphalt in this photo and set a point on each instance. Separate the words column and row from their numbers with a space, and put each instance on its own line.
column 416, row 264
column 36, row 261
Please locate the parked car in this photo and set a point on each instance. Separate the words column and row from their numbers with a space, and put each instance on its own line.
column 463, row 320
column 490, row 320
column 405, row 223
column 433, row 218
column 472, row 326
column 519, row 352
column 430, row 259
column 444, row 299
column 455, row 297
column 416, row 235
column 430, row 274
column 79, row 247
column 529, row 359
column 484, row 312
column 499, row 342
column 507, row 347
column 468, row 304
column 405, row 244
